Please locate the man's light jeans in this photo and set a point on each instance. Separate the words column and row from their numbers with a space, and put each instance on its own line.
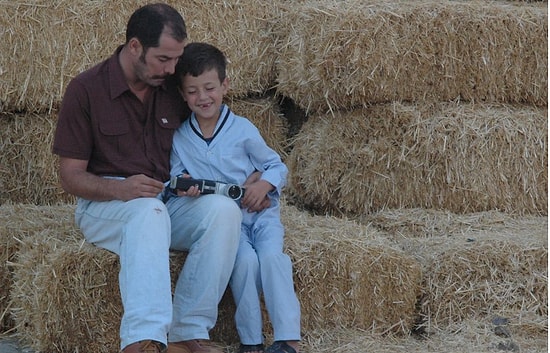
column 141, row 232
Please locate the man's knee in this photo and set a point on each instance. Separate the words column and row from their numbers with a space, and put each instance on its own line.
column 149, row 207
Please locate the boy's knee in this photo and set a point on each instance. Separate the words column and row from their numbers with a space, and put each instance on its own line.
column 225, row 209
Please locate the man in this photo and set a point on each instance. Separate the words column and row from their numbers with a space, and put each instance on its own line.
column 113, row 138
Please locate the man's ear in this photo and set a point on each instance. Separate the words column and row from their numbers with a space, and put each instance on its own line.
column 135, row 46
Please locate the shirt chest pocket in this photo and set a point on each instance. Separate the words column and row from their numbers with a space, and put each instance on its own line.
column 115, row 140
column 114, row 127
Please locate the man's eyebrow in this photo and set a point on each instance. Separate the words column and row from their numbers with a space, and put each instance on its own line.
column 164, row 56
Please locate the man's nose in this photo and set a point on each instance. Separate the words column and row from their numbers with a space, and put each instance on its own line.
column 170, row 67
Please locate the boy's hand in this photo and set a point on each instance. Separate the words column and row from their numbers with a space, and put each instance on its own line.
column 255, row 197
column 193, row 191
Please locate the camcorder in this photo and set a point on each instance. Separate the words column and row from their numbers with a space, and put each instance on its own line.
column 205, row 186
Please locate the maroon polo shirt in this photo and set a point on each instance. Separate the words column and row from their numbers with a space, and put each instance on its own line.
column 103, row 122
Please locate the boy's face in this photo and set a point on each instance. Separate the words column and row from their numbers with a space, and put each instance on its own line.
column 204, row 93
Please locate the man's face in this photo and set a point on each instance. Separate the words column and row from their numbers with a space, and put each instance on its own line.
column 156, row 64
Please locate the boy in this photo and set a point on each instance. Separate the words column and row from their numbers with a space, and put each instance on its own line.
column 216, row 144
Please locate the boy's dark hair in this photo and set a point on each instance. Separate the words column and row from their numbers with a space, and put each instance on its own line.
column 148, row 22
column 200, row 57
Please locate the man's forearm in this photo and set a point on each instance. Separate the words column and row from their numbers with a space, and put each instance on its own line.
column 89, row 186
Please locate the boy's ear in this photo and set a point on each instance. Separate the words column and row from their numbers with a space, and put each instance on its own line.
column 225, row 85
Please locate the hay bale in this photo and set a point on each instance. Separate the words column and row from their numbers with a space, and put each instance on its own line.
column 65, row 301
column 65, row 294
column 485, row 278
column 243, row 30
column 18, row 223
column 28, row 169
column 346, row 277
column 476, row 266
column 343, row 54
column 430, row 224
column 453, row 156
column 266, row 114
column 60, row 294
column 75, row 304
column 55, row 41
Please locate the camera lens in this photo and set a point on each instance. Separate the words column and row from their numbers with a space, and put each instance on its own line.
column 235, row 192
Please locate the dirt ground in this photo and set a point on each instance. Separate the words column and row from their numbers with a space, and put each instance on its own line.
column 352, row 341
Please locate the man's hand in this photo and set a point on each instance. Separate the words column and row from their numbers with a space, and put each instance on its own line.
column 137, row 186
column 76, row 180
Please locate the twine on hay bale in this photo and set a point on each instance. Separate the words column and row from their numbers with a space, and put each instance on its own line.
column 345, row 277
column 28, row 169
column 56, row 41
column 343, row 54
column 458, row 157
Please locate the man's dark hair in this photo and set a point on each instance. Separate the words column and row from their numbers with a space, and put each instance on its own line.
column 200, row 57
column 148, row 22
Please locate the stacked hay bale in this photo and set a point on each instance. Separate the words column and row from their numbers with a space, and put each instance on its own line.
column 28, row 169
column 428, row 105
column 341, row 55
column 56, row 41
column 460, row 157
column 348, row 276
column 65, row 296
column 378, row 79
column 419, row 113
column 477, row 266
